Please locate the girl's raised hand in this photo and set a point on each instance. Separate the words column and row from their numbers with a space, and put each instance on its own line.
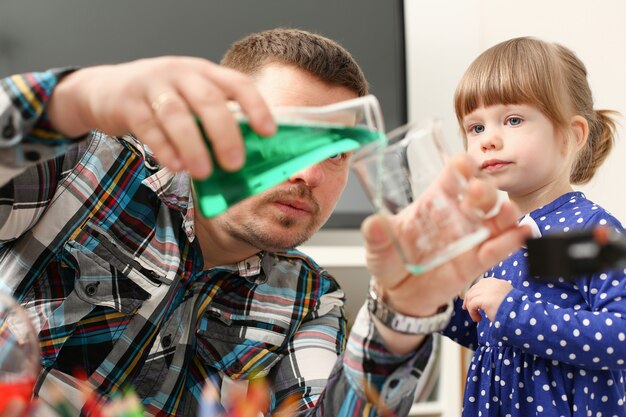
column 486, row 295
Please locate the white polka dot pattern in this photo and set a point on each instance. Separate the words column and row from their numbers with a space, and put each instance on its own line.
column 557, row 348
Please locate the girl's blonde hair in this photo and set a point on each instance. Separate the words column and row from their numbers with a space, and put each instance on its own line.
column 548, row 76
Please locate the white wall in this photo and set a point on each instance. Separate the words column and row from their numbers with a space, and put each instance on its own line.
column 444, row 36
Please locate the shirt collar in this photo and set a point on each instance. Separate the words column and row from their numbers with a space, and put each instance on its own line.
column 174, row 190
column 254, row 269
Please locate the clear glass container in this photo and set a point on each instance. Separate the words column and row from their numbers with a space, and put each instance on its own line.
column 305, row 136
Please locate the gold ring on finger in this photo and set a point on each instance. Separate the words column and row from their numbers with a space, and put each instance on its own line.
column 160, row 100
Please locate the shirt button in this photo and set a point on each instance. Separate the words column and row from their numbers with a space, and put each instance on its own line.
column 153, row 276
column 213, row 314
column 236, row 367
column 166, row 341
column 92, row 289
column 32, row 156
column 8, row 131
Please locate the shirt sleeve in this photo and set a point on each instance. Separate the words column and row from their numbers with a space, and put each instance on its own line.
column 302, row 373
column 316, row 353
column 392, row 377
column 31, row 151
column 23, row 101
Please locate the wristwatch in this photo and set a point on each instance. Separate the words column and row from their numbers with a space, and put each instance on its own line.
column 407, row 324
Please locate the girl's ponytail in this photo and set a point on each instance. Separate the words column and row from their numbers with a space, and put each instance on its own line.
column 602, row 128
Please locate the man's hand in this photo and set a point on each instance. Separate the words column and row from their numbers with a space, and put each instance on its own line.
column 486, row 295
column 156, row 100
column 424, row 294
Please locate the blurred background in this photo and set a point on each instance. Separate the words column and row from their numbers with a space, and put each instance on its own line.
column 445, row 36
column 412, row 51
column 37, row 35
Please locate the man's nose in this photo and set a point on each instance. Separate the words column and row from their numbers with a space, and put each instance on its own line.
column 311, row 176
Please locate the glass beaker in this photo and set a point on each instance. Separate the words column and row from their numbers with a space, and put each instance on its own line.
column 305, row 136
column 428, row 223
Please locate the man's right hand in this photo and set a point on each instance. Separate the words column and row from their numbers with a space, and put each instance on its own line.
column 156, row 99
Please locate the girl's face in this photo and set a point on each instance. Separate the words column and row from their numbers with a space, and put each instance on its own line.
column 520, row 148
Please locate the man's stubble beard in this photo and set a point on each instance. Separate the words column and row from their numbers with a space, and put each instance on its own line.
column 259, row 234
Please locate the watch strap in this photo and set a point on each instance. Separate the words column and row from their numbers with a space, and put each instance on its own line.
column 402, row 323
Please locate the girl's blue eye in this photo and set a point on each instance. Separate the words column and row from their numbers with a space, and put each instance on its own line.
column 477, row 129
column 514, row 121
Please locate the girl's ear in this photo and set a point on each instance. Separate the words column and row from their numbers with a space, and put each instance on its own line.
column 580, row 131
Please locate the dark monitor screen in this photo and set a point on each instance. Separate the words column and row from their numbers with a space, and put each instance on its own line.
column 36, row 35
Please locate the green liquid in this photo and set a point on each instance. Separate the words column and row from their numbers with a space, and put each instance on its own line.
column 270, row 161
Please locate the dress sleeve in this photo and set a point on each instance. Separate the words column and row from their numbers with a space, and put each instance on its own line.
column 591, row 335
column 462, row 329
column 592, row 339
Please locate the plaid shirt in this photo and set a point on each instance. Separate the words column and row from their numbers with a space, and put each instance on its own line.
column 97, row 243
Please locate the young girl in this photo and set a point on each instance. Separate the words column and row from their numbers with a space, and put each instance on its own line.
column 542, row 347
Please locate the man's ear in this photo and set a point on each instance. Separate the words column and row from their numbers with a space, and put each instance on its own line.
column 579, row 126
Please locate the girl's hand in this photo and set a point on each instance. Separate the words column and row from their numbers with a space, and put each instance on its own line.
column 486, row 295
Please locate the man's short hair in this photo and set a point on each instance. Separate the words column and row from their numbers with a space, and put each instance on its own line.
column 320, row 56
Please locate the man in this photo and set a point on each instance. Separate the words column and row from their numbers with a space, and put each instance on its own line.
column 126, row 286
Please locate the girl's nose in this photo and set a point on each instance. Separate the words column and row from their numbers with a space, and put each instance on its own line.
column 490, row 141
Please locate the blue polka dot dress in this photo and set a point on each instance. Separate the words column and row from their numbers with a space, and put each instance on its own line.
column 554, row 348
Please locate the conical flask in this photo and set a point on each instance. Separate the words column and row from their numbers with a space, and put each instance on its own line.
column 305, row 136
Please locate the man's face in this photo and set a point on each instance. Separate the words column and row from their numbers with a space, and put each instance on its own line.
column 291, row 212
